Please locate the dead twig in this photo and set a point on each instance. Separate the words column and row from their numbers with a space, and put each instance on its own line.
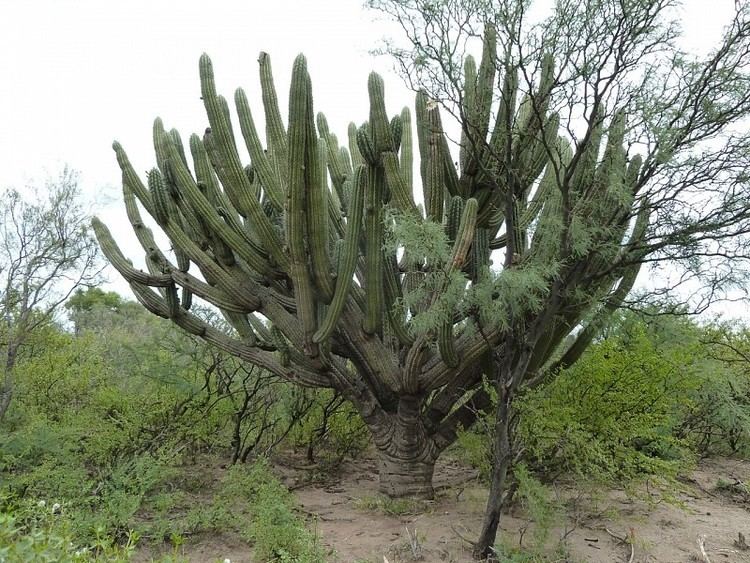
column 621, row 539
column 628, row 540
column 702, row 547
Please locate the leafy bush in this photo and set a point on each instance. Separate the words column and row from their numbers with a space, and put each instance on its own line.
column 612, row 415
column 277, row 533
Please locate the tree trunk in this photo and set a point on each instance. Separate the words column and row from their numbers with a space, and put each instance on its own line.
column 6, row 394
column 6, row 388
column 485, row 546
column 405, row 477
column 406, row 453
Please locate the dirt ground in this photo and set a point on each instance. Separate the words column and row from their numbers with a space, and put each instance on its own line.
column 356, row 525
column 357, row 530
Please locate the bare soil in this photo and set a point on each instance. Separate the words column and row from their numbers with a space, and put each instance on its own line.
column 600, row 526
column 700, row 524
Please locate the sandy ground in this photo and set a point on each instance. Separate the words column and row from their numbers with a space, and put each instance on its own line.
column 658, row 531
column 357, row 526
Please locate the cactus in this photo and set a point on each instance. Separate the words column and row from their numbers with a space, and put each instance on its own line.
column 296, row 248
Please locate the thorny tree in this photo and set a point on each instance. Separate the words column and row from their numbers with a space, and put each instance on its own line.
column 603, row 146
column 332, row 275
column 46, row 252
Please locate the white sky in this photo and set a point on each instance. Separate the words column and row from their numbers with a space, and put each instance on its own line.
column 77, row 74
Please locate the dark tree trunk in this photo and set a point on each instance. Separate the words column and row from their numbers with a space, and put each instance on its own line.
column 484, row 548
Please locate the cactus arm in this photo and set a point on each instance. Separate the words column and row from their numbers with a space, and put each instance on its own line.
column 467, row 107
column 242, row 326
column 380, row 130
column 461, row 247
column 234, row 178
column 453, row 217
column 594, row 327
column 131, row 178
column 336, row 165
column 296, row 219
column 252, row 354
column 406, row 154
column 401, row 193
column 479, row 88
column 261, row 164
column 393, row 297
column 211, row 294
column 374, row 233
column 435, row 177
column 317, row 213
column 423, row 133
column 121, row 264
column 499, row 139
column 206, row 177
column 275, row 133
column 231, row 285
column 482, row 102
column 172, row 301
column 356, row 156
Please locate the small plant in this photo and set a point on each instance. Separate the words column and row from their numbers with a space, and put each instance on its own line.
column 735, row 489
column 415, row 545
column 392, row 506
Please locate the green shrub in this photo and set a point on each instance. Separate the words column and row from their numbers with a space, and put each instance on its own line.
column 612, row 415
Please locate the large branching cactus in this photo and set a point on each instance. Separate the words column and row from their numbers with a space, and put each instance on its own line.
column 332, row 272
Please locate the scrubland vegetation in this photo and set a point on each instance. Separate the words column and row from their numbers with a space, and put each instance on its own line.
column 126, row 435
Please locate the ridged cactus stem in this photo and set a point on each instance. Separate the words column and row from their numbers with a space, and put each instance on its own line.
column 261, row 163
column 423, row 135
column 317, row 212
column 374, row 232
column 469, row 94
column 348, row 258
column 275, row 133
column 296, row 223
column 206, row 178
column 401, row 194
column 353, row 148
column 380, row 130
column 435, row 177
column 406, row 154
column 393, row 296
column 461, row 246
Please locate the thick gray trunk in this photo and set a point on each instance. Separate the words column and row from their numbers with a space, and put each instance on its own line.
column 405, row 477
column 406, row 453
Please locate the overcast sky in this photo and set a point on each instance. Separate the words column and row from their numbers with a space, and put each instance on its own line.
column 77, row 74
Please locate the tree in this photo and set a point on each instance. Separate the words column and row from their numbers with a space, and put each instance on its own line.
column 46, row 252
column 82, row 305
column 604, row 146
column 397, row 307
